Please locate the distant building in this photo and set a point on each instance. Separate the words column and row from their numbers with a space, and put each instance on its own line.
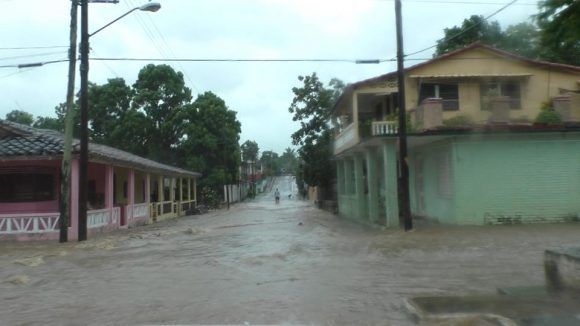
column 476, row 156
column 123, row 189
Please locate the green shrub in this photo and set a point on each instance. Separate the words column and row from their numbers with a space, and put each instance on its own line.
column 457, row 121
column 550, row 117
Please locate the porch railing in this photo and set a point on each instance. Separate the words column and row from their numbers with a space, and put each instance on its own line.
column 380, row 128
column 98, row 218
column 116, row 215
column 186, row 205
column 140, row 210
column 29, row 223
column 162, row 209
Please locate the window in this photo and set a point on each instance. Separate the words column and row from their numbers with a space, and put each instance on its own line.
column 449, row 93
column 510, row 89
column 24, row 187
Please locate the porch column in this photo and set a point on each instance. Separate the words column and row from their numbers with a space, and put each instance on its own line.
column 391, row 193
column 373, row 185
column 195, row 190
column 189, row 189
column 180, row 189
column 348, row 185
column 359, row 187
column 172, row 189
column 73, row 230
column 110, row 190
column 160, row 190
column 340, row 177
column 147, row 188
column 130, row 194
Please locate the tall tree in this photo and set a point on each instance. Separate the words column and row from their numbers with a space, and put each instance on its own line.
column 160, row 93
column 473, row 29
column 270, row 162
column 19, row 116
column 522, row 39
column 288, row 161
column 312, row 106
column 559, row 21
column 210, row 143
column 250, row 151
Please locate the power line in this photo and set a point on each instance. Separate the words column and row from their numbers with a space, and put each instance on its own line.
column 34, row 47
column 465, row 30
column 159, row 48
column 33, row 64
column 32, row 55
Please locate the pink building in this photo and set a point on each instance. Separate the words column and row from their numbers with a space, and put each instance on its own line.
column 124, row 190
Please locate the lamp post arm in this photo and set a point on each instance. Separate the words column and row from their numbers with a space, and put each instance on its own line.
column 114, row 21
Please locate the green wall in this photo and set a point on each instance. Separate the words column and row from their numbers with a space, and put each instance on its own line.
column 439, row 206
column 517, row 178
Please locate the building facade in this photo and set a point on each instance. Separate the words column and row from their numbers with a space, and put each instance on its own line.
column 477, row 155
column 124, row 190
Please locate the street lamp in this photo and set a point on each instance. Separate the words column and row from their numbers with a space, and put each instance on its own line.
column 84, row 107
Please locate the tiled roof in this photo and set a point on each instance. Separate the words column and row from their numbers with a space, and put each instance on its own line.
column 17, row 140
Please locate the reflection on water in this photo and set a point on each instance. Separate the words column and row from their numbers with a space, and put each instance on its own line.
column 257, row 264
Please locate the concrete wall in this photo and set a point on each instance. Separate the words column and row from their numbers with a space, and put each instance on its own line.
column 437, row 164
column 517, row 179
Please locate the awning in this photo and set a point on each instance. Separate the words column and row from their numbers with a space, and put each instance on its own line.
column 470, row 75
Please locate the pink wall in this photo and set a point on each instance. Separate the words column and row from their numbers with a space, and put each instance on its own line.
column 33, row 207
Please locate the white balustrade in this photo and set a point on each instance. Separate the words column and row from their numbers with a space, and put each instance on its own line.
column 116, row 216
column 385, row 128
column 98, row 218
column 140, row 210
column 27, row 223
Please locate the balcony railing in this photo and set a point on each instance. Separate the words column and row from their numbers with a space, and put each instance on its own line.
column 380, row 128
column 347, row 138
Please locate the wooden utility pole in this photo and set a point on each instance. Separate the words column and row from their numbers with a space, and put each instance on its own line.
column 84, row 144
column 65, row 184
column 404, row 202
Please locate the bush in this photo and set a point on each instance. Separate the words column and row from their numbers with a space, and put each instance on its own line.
column 457, row 121
column 210, row 197
column 549, row 117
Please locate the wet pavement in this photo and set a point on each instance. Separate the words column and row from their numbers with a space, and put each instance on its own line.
column 262, row 263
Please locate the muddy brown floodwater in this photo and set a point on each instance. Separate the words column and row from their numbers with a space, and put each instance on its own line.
column 256, row 264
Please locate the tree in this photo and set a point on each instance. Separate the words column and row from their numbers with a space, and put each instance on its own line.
column 288, row 161
column 21, row 117
column 522, row 39
column 210, row 142
column 559, row 21
column 270, row 162
column 473, row 29
column 312, row 106
column 160, row 93
column 250, row 151
column 48, row 123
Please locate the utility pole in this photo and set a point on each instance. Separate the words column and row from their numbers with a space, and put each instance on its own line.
column 64, row 202
column 404, row 202
column 84, row 151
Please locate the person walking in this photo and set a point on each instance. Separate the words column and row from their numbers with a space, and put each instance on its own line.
column 277, row 195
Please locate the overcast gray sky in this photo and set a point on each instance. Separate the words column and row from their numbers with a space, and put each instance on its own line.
column 267, row 29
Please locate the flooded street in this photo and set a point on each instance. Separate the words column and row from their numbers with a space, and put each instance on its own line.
column 264, row 263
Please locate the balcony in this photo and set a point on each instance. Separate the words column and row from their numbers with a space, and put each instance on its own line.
column 346, row 139
column 380, row 128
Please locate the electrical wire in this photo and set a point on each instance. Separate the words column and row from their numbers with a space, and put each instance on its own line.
column 34, row 47
column 32, row 55
column 160, row 49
